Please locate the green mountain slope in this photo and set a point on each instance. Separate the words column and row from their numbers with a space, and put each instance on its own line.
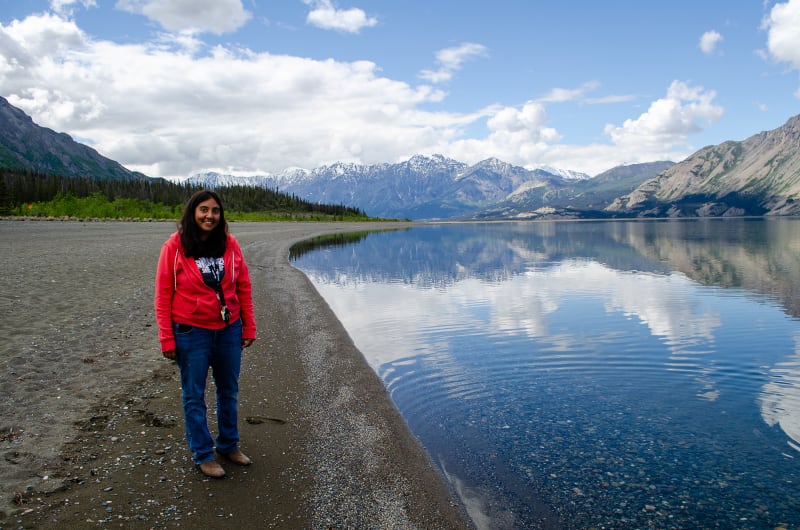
column 25, row 145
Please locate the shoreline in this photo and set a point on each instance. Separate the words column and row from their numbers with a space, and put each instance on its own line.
column 93, row 432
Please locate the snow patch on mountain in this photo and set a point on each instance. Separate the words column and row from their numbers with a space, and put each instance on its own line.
column 422, row 187
column 564, row 173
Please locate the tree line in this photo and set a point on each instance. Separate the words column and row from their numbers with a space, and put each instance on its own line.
column 21, row 189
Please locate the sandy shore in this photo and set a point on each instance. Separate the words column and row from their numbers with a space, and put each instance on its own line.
column 90, row 425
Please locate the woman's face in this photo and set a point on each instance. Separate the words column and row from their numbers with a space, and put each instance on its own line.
column 206, row 215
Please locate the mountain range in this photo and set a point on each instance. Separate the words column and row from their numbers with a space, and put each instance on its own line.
column 26, row 145
column 757, row 176
column 436, row 187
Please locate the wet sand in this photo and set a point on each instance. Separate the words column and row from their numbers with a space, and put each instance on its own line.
column 91, row 430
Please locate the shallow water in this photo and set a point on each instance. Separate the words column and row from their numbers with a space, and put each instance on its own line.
column 588, row 374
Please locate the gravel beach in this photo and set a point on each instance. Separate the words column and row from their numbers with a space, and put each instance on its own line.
column 91, row 428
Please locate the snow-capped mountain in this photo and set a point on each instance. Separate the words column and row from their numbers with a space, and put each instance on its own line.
column 565, row 173
column 423, row 187
column 213, row 180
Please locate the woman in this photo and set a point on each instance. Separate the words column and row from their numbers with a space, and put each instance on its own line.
column 204, row 311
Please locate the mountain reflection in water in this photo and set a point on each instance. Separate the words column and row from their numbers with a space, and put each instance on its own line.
column 574, row 374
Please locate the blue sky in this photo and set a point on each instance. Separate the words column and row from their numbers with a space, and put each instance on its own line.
column 175, row 87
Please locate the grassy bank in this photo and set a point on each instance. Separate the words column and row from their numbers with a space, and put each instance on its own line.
column 98, row 206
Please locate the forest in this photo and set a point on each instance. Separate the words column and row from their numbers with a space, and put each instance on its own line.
column 29, row 193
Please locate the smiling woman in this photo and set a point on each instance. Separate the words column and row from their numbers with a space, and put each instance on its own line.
column 203, row 227
column 207, row 216
column 204, row 310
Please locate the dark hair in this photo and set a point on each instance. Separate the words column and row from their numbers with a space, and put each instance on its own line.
column 193, row 245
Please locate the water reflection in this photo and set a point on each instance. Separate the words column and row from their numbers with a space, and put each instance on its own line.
column 780, row 398
column 546, row 355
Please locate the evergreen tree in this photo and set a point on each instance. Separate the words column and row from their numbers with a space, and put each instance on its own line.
column 20, row 187
column 5, row 198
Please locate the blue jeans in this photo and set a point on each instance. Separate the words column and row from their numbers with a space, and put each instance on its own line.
column 198, row 350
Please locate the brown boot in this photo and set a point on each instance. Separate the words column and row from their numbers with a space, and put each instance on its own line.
column 211, row 469
column 238, row 457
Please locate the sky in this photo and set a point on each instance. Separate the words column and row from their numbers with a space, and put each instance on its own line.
column 252, row 87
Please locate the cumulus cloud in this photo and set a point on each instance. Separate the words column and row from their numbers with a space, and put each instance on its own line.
column 685, row 110
column 168, row 113
column 24, row 44
column 783, row 32
column 324, row 15
column 709, row 41
column 190, row 16
column 522, row 135
column 518, row 135
column 177, row 107
column 451, row 60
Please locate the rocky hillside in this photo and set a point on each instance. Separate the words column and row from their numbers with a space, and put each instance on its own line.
column 585, row 198
column 25, row 145
column 757, row 176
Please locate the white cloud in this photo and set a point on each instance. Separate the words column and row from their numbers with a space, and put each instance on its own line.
column 65, row 6
column 783, row 37
column 709, row 41
column 25, row 44
column 190, row 16
column 451, row 60
column 522, row 135
column 174, row 106
column 168, row 113
column 579, row 94
column 685, row 110
column 612, row 98
column 324, row 15
column 560, row 95
column 517, row 135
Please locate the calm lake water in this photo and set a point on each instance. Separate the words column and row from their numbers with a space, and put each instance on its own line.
column 628, row 374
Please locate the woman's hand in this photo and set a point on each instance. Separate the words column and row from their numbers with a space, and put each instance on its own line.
column 246, row 343
column 169, row 354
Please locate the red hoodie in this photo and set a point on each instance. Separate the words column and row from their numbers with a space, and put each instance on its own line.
column 181, row 295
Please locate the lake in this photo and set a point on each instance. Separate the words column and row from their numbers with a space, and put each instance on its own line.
column 609, row 374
